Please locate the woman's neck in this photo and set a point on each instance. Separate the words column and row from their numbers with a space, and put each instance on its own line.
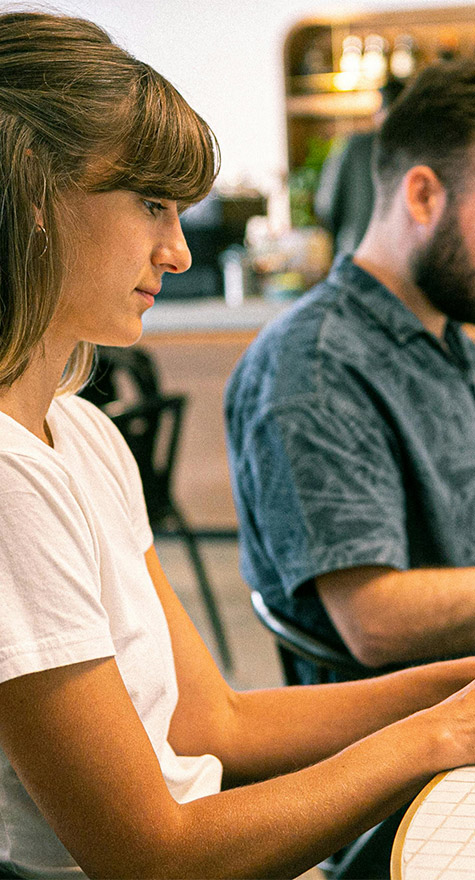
column 29, row 398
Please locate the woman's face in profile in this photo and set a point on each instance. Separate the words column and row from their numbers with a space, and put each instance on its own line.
column 119, row 244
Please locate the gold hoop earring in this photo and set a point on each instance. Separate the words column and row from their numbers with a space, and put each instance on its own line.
column 40, row 228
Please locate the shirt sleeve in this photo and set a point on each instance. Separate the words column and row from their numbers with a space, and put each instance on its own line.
column 49, row 572
column 326, row 490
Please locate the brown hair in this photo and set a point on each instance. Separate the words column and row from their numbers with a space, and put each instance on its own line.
column 77, row 110
column 432, row 123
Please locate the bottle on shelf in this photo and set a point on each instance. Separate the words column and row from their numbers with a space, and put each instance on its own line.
column 403, row 58
column 374, row 64
column 350, row 63
column 351, row 54
column 316, row 57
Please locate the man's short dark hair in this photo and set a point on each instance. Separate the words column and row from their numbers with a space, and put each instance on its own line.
column 390, row 91
column 431, row 123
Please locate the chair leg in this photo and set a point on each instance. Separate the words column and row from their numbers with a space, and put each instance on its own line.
column 205, row 590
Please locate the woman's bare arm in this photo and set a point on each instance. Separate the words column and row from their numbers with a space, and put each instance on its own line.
column 259, row 734
column 80, row 749
column 77, row 744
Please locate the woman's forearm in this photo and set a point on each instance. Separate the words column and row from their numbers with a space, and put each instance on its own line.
column 281, row 827
column 282, row 729
column 109, row 804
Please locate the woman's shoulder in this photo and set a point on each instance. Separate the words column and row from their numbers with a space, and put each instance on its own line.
column 78, row 408
column 76, row 415
column 82, row 429
column 28, row 466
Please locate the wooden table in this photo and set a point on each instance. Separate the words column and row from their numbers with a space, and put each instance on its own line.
column 436, row 838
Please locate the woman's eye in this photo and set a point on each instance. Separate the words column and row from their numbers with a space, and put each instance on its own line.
column 153, row 208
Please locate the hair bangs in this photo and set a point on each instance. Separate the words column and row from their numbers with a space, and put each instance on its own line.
column 164, row 148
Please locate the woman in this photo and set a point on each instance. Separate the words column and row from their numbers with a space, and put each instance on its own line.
column 118, row 735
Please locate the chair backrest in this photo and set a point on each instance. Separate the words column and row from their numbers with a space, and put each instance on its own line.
column 126, row 386
column 152, row 429
column 126, row 374
column 294, row 642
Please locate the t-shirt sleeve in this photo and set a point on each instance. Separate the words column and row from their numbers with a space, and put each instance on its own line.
column 49, row 572
column 326, row 491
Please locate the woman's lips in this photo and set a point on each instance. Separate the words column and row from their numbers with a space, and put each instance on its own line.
column 148, row 295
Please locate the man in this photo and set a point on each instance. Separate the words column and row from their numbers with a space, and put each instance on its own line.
column 351, row 418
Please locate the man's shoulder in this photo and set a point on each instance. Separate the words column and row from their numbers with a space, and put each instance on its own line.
column 301, row 322
column 287, row 347
column 307, row 329
column 361, row 140
column 295, row 358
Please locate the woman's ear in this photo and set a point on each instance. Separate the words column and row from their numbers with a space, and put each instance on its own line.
column 425, row 195
column 38, row 215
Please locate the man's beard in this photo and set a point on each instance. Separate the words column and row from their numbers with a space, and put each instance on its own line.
column 444, row 271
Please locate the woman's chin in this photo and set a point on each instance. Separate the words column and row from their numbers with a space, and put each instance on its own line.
column 122, row 337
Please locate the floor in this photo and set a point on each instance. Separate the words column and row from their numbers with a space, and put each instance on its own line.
column 255, row 661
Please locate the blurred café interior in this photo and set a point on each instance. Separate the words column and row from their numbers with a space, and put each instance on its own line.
column 257, row 244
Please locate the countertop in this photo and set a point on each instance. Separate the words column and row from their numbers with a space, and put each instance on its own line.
column 210, row 314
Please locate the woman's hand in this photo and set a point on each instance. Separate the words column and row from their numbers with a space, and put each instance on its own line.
column 454, row 718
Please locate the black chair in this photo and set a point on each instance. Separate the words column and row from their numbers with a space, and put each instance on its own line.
column 374, row 846
column 126, row 386
column 292, row 641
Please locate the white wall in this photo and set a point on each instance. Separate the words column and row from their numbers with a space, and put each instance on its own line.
column 226, row 58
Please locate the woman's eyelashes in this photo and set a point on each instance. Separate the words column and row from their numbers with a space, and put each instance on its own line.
column 153, row 207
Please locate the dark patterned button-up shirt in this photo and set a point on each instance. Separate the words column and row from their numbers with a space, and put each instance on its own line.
column 351, row 434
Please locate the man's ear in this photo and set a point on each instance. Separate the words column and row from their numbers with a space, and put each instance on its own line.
column 425, row 195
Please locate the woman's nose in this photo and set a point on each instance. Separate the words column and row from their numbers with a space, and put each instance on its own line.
column 172, row 254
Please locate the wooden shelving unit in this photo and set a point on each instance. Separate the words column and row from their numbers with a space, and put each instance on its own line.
column 316, row 109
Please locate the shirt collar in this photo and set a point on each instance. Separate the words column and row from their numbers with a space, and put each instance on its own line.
column 386, row 308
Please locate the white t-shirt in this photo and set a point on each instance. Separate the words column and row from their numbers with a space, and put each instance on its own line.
column 74, row 586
